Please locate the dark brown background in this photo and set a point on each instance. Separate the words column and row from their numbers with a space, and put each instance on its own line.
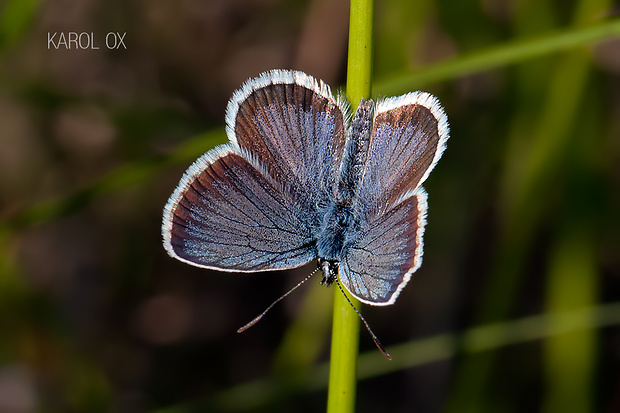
column 523, row 211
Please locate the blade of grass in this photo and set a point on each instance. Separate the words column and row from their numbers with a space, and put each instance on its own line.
column 346, row 325
column 496, row 56
column 569, row 359
column 572, row 278
column 535, row 172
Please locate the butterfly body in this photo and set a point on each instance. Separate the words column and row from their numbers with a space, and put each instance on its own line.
column 301, row 179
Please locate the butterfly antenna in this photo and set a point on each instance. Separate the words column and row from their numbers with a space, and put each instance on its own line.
column 374, row 337
column 257, row 318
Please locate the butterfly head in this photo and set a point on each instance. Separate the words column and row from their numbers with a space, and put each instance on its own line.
column 330, row 271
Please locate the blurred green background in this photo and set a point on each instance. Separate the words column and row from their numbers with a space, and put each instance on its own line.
column 515, row 309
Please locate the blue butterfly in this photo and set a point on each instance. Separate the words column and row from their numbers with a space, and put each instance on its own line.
column 302, row 179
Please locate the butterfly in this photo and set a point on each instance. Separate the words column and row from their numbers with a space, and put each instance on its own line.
column 302, row 178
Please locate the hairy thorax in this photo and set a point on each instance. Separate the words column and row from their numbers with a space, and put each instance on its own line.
column 338, row 221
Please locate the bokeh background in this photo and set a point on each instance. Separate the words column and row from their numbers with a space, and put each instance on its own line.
column 516, row 307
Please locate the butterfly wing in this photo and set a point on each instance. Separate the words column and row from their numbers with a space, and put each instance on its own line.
column 386, row 250
column 407, row 139
column 292, row 124
column 227, row 215
column 251, row 205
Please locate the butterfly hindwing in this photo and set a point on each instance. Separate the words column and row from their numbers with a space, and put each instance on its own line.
column 385, row 251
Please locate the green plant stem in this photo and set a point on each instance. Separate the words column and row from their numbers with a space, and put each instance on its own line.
column 343, row 362
column 346, row 325
column 359, row 66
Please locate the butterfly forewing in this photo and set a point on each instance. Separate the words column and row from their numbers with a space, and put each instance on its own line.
column 296, row 129
column 407, row 139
